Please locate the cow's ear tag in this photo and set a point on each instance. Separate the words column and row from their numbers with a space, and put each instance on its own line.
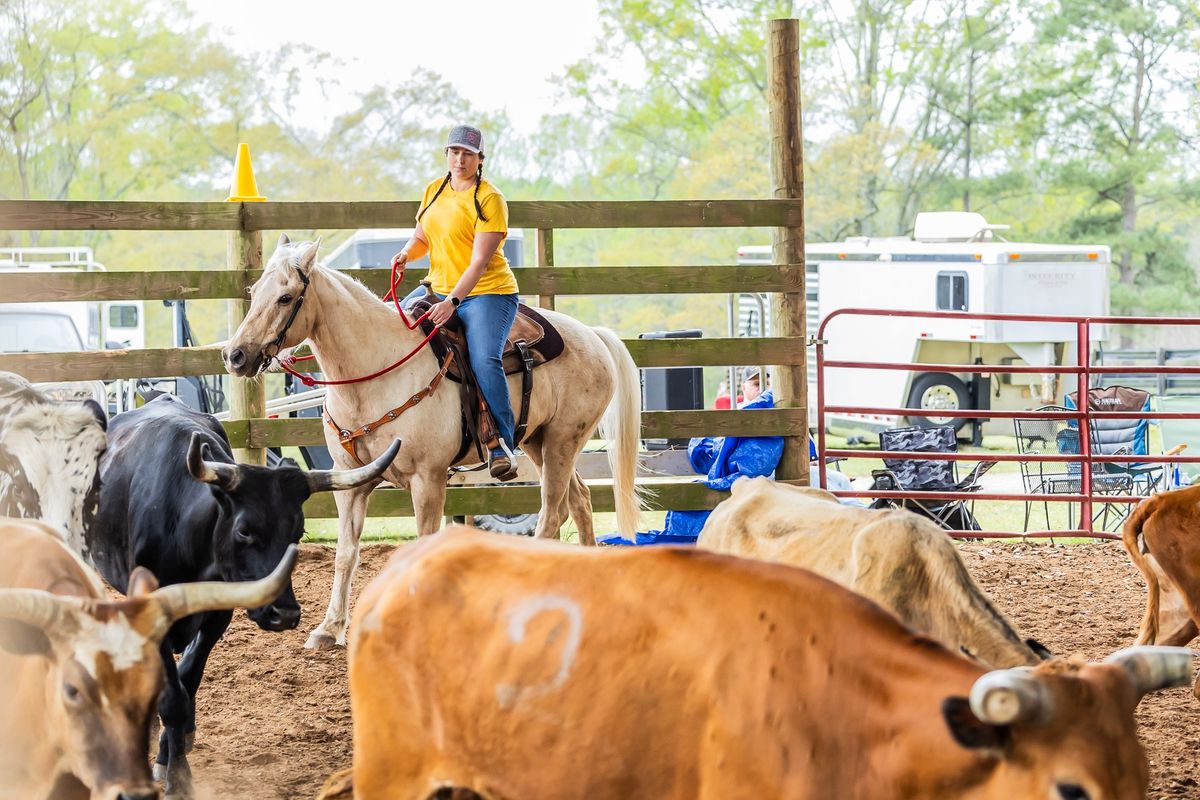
column 969, row 731
column 141, row 582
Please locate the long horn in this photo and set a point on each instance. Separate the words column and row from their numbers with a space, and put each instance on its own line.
column 37, row 608
column 336, row 480
column 1151, row 668
column 216, row 472
column 1008, row 696
column 184, row 599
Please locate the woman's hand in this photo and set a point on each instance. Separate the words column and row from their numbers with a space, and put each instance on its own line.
column 400, row 259
column 439, row 313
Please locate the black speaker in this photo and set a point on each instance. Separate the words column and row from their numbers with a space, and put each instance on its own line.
column 672, row 388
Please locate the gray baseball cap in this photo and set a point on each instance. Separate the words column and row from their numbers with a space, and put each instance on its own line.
column 466, row 137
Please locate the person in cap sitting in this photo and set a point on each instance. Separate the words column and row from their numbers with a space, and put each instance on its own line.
column 461, row 223
column 751, row 385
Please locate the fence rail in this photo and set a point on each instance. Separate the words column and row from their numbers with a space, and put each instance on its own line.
column 74, row 215
column 108, row 365
column 228, row 284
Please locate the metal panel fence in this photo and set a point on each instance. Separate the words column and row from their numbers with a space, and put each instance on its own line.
column 1084, row 370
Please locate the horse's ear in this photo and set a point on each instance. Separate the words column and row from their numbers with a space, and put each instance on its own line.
column 310, row 256
column 283, row 239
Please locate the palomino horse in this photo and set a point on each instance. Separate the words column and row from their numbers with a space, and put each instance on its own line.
column 353, row 334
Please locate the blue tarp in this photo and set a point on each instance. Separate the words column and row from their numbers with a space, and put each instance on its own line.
column 722, row 461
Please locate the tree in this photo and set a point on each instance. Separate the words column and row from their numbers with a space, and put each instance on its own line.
column 701, row 63
column 99, row 100
column 1120, row 76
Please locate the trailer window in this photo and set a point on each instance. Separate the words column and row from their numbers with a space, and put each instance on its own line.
column 122, row 316
column 952, row 291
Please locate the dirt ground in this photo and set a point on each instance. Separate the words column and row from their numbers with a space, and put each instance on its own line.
column 274, row 719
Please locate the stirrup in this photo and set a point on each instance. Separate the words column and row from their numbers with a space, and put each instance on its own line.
column 502, row 468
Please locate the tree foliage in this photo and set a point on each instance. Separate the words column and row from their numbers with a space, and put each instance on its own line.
column 1073, row 120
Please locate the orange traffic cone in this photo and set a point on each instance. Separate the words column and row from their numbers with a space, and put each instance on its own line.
column 243, row 188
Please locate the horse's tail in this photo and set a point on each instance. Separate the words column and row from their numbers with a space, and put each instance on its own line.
column 622, row 426
column 1148, row 631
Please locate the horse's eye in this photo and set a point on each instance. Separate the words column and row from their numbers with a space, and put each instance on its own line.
column 285, row 299
column 1072, row 791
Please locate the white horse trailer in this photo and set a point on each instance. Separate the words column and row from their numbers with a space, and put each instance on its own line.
column 953, row 262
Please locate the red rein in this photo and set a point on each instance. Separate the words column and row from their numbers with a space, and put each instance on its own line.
column 308, row 380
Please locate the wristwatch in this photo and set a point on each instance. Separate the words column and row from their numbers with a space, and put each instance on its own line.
column 454, row 301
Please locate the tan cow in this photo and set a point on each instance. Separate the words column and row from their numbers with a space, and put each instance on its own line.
column 1161, row 539
column 900, row 560
column 499, row 667
column 80, row 675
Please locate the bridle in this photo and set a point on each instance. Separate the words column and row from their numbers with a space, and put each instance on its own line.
column 296, row 304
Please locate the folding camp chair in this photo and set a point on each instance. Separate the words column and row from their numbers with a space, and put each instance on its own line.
column 1180, row 436
column 1051, row 435
column 1121, row 436
column 917, row 475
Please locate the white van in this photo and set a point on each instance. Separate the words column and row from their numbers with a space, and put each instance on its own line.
column 955, row 261
column 374, row 248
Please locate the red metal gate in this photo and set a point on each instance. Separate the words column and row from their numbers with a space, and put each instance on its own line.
column 1084, row 371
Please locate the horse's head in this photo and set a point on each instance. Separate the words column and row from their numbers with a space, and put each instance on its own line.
column 278, row 317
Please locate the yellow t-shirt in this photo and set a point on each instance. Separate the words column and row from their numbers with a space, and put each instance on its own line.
column 450, row 225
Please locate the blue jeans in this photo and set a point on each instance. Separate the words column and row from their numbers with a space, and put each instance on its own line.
column 487, row 319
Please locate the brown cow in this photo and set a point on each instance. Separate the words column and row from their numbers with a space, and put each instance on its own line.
column 501, row 667
column 900, row 560
column 1160, row 536
column 80, row 675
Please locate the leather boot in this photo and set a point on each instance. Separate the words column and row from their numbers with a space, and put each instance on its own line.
column 501, row 468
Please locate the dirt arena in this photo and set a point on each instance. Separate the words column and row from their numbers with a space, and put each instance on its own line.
column 274, row 719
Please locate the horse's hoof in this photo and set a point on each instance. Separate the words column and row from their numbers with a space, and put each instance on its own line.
column 320, row 641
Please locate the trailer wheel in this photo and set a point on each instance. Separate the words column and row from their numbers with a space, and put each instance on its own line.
column 932, row 391
column 515, row 524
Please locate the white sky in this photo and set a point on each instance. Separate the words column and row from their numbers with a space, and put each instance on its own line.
column 499, row 55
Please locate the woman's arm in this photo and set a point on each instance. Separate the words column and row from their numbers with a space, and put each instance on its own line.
column 481, row 255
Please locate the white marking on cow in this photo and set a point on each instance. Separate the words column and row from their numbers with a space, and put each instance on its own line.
column 509, row 694
column 115, row 637
column 58, row 448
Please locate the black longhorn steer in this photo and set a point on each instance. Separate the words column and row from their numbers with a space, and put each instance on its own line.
column 172, row 500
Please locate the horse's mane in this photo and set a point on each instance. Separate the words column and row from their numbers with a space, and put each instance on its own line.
column 351, row 284
column 360, row 295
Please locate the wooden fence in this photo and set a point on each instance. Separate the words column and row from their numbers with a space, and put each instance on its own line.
column 246, row 222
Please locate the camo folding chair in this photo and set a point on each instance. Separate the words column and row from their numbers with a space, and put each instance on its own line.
column 918, row 475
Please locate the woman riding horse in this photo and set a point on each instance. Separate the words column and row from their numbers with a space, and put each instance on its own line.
column 470, row 275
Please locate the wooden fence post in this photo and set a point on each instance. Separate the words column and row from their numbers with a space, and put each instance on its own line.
column 247, row 396
column 545, row 258
column 787, row 178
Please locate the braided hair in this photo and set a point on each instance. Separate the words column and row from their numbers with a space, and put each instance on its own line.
column 446, row 180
